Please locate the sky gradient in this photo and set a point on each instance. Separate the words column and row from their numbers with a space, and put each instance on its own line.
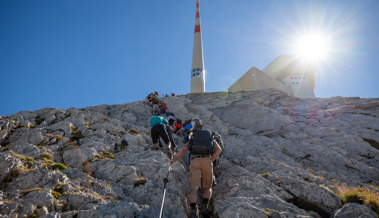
column 78, row 53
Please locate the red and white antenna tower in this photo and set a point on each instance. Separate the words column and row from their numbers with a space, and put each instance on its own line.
column 197, row 72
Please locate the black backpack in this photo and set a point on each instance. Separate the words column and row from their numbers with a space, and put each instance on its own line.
column 201, row 142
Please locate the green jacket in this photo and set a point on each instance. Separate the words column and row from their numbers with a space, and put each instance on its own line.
column 157, row 120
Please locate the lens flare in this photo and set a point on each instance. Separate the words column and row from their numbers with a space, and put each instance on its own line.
column 313, row 47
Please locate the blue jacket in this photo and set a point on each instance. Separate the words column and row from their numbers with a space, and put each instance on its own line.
column 158, row 120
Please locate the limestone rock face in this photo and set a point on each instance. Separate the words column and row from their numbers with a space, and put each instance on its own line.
column 283, row 157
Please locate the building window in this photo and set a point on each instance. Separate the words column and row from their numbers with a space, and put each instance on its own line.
column 293, row 82
column 291, row 77
column 297, row 82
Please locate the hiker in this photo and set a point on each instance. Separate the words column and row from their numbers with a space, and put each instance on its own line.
column 158, row 129
column 152, row 97
column 155, row 106
column 200, row 146
column 178, row 124
column 216, row 164
column 170, row 117
column 148, row 98
column 163, row 108
column 187, row 127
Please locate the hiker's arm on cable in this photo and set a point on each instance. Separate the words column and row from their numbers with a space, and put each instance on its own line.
column 180, row 154
column 217, row 150
column 180, row 131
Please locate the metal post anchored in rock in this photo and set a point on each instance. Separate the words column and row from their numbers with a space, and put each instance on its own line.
column 165, row 181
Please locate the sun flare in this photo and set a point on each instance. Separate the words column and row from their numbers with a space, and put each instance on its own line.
column 313, row 47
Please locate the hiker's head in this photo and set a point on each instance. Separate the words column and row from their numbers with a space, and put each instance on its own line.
column 156, row 92
column 196, row 124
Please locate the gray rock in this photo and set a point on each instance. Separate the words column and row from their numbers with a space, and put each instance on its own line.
column 355, row 210
column 282, row 158
column 8, row 165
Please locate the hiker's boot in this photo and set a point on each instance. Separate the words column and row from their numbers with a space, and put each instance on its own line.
column 203, row 208
column 174, row 150
column 155, row 146
column 194, row 213
column 169, row 153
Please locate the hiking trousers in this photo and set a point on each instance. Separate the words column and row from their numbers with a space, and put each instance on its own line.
column 201, row 172
column 159, row 131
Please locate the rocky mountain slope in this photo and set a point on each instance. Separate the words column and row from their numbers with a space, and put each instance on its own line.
column 284, row 157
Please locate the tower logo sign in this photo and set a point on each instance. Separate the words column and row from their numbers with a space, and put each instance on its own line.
column 197, row 72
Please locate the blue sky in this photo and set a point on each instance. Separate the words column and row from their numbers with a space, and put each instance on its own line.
column 78, row 53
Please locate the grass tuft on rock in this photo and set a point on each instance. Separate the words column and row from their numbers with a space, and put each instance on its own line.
column 268, row 212
column 139, row 181
column 57, row 191
column 59, row 166
column 133, row 132
column 24, row 192
column 47, row 158
column 358, row 195
column 107, row 154
column 28, row 160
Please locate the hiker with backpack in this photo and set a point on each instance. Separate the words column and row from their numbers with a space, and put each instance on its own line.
column 158, row 129
column 148, row 98
column 204, row 150
column 162, row 108
column 187, row 127
column 178, row 125
column 217, row 137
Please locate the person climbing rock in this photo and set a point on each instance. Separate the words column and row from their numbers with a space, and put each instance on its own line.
column 170, row 117
column 162, row 108
column 158, row 129
column 201, row 145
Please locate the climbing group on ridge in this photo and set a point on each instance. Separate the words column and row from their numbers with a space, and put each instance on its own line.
column 205, row 147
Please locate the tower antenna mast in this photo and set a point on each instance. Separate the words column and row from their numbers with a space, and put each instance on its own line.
column 197, row 72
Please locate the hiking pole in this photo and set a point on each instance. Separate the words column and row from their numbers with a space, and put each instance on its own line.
column 165, row 181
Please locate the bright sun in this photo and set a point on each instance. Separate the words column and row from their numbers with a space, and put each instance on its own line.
column 313, row 47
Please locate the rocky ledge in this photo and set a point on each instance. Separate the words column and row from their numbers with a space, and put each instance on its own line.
column 283, row 157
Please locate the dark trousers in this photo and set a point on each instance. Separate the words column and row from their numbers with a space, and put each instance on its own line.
column 159, row 130
column 169, row 133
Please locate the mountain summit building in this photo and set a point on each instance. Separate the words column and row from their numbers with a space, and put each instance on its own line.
column 197, row 71
column 286, row 73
